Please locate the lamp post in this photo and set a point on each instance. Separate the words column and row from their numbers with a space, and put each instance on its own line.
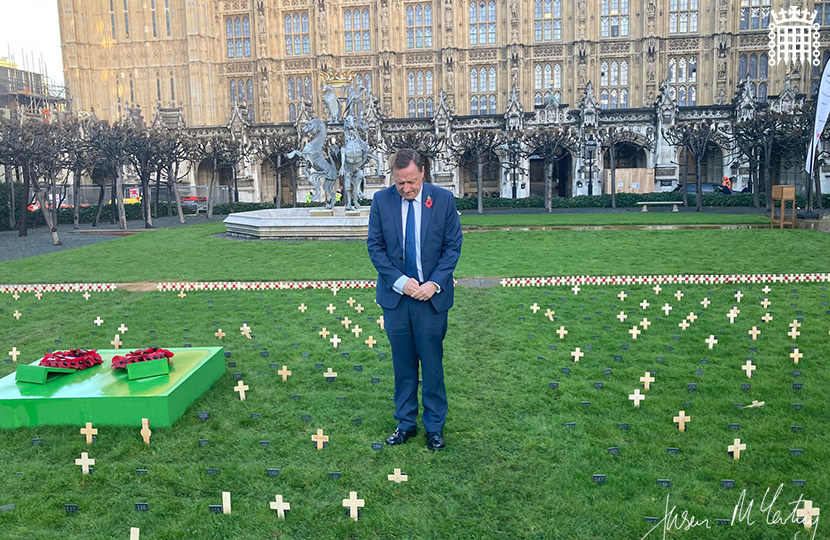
column 590, row 147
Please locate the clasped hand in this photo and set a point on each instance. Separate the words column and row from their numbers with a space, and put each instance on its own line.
column 419, row 292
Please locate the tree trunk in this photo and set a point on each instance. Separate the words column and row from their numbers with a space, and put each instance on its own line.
column 698, row 178
column 100, row 203
column 145, row 198
column 753, row 182
column 684, row 167
column 210, row 190
column 24, row 206
column 10, row 198
column 480, row 183
column 172, row 183
column 113, row 197
column 158, row 193
column 47, row 213
column 611, row 155
column 235, row 198
column 548, row 185
column 119, row 198
column 294, row 187
column 278, row 198
column 768, row 178
column 76, row 192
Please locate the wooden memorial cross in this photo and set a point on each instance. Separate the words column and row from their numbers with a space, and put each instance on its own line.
column 245, row 330
column 14, row 353
column 738, row 296
column 302, row 307
column 280, row 506
column 576, row 289
column 794, row 333
column 577, row 354
column 219, row 334
column 705, row 303
column 181, row 294
column 351, row 301
column 381, row 323
column 324, row 333
column 241, row 387
column 370, row 342
column 397, row 477
column 346, row 322
column 636, row 397
column 645, row 323
column 692, row 316
column 766, row 289
column 38, row 295
column 711, row 341
column 808, row 513
column 736, row 447
column 796, row 356
column 116, row 342
column 98, row 321
column 331, row 308
column 766, row 318
column 647, row 379
column 319, row 439
column 562, row 332
column 657, row 289
column 335, row 340
column 330, row 375
column 284, row 373
column 621, row 316
column 353, row 503
column 622, row 296
column 765, row 303
column 226, row 502
column 359, row 308
column 17, row 315
column 16, row 296
column 644, row 304
column 684, row 324
column 145, row 430
column 534, row 308
column 731, row 316
column 357, row 330
column 84, row 462
column 681, row 420
column 86, row 295
column 679, row 295
column 135, row 533
column 123, row 329
column 754, row 332
column 549, row 314
column 635, row 331
column 667, row 308
column 795, row 325
column 89, row 431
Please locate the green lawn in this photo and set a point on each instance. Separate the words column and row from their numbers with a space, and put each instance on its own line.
column 601, row 219
column 193, row 253
column 512, row 468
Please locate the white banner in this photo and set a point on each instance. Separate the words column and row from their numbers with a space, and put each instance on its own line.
column 822, row 111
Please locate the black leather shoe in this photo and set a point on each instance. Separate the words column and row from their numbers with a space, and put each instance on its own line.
column 400, row 436
column 435, row 440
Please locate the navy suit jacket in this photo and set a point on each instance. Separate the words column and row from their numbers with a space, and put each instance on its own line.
column 440, row 243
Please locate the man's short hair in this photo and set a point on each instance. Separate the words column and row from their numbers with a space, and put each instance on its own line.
column 404, row 156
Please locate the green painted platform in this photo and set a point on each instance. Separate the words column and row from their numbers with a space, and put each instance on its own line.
column 108, row 397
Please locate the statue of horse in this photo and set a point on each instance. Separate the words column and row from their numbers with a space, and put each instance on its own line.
column 353, row 156
column 319, row 164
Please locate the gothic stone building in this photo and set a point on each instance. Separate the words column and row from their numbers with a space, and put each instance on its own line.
column 444, row 66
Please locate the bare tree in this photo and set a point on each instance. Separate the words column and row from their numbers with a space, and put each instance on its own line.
column 613, row 136
column 552, row 144
column 695, row 139
column 477, row 146
column 274, row 148
column 426, row 144
column 176, row 147
column 215, row 149
column 107, row 145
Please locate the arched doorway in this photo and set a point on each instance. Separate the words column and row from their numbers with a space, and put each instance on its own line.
column 469, row 170
column 561, row 175
column 711, row 166
column 631, row 171
column 221, row 192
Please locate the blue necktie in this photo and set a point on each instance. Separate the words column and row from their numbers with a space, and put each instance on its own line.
column 410, row 254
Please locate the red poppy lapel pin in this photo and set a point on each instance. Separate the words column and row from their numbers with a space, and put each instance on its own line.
column 428, row 202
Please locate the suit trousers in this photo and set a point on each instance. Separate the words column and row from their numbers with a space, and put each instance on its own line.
column 416, row 332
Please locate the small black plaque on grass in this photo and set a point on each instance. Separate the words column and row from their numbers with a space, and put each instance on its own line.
column 797, row 373
column 70, row 508
column 704, row 361
column 698, row 372
column 265, row 444
column 306, row 355
column 141, row 472
column 614, row 450
column 204, row 442
column 7, row 508
column 664, row 482
column 623, row 427
column 381, row 355
column 738, row 405
column 618, row 358
column 377, row 446
column 585, row 403
column 237, row 376
column 686, row 404
column 554, row 385
column 651, row 520
column 344, row 355
column 625, row 347
column 727, row 484
column 215, row 508
column 318, row 365
column 606, row 371
column 797, row 386
column 306, row 418
column 256, row 416
column 746, row 386
column 212, row 471
column 358, row 367
column 598, row 385
column 796, row 451
column 799, row 482
column 231, row 364
column 566, row 370
column 599, row 478
column 142, row 507
column 797, row 406
column 273, row 366
column 295, row 396
column 795, row 429
column 272, row 472
column 722, row 521
column 672, row 450
column 357, row 421
column 264, row 354
column 375, row 380
column 334, row 475
column 570, row 425
column 36, row 442
column 227, row 354
column 691, row 387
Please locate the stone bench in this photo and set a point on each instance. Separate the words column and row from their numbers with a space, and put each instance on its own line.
column 645, row 204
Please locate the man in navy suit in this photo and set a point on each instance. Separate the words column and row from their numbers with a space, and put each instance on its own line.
column 414, row 242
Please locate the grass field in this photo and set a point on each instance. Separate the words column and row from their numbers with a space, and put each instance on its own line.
column 194, row 253
column 621, row 218
column 512, row 469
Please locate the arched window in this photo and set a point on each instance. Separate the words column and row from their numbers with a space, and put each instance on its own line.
column 233, row 91
column 290, row 89
column 249, row 90
column 492, row 80
column 430, row 107
column 292, row 112
column 603, row 77
column 474, row 105
column 411, row 83
column 412, row 108
column 420, row 81
column 420, row 108
column 492, row 104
